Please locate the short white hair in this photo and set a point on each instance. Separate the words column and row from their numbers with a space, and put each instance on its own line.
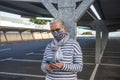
column 57, row 20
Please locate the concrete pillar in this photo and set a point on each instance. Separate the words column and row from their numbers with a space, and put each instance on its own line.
column 104, row 39
column 101, row 40
column 68, row 12
column 66, row 9
column 98, row 45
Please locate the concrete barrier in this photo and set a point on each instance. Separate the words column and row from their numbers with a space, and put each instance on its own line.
column 15, row 36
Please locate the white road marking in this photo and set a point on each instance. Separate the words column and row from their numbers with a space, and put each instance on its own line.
column 39, row 54
column 88, row 56
column 102, row 56
column 94, row 72
column 88, row 51
column 6, row 49
column 110, row 64
column 6, row 59
column 88, row 48
column 89, row 63
column 112, row 51
column 19, row 74
column 24, row 60
column 29, row 53
column 25, row 75
column 32, row 53
column 111, row 57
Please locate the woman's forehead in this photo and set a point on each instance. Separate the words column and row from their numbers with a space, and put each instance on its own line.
column 56, row 25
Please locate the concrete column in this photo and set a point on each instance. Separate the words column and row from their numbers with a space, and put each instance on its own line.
column 68, row 12
column 104, row 39
column 98, row 46
column 101, row 40
column 66, row 9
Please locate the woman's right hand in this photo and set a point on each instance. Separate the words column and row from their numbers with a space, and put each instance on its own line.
column 48, row 67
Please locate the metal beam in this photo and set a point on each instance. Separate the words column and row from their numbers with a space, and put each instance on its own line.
column 82, row 8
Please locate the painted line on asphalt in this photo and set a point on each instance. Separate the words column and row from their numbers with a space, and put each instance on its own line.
column 88, row 56
column 6, row 59
column 24, row 60
column 105, row 64
column 112, row 51
column 88, row 48
column 38, row 54
column 94, row 72
column 111, row 57
column 24, row 75
column 30, row 53
column 89, row 63
column 102, row 56
column 19, row 74
column 6, row 49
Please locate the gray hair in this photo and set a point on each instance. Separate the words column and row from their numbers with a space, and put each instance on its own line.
column 57, row 20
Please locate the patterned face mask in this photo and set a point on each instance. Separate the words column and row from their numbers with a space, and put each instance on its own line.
column 58, row 35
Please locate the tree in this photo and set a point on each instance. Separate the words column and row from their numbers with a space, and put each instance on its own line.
column 87, row 33
column 38, row 21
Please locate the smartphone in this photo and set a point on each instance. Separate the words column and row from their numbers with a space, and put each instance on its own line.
column 50, row 61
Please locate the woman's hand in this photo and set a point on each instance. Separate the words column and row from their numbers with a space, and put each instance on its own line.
column 56, row 65
column 48, row 67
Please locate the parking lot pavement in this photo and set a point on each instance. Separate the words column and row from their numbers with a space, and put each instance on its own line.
column 17, row 63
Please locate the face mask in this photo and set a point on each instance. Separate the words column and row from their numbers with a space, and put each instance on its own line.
column 58, row 35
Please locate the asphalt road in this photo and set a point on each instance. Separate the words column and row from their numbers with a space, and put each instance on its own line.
column 22, row 61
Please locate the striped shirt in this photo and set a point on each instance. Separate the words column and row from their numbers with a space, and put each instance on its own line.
column 71, row 59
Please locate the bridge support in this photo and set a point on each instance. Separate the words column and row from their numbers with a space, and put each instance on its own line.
column 68, row 12
column 101, row 40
